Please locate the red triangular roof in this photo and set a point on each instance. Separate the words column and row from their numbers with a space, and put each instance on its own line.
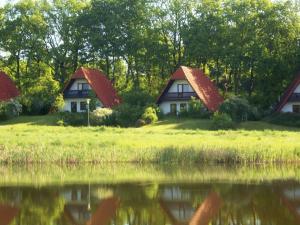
column 7, row 214
column 100, row 84
column 8, row 89
column 289, row 91
column 202, row 85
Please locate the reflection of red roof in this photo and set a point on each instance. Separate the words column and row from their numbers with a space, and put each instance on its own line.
column 100, row 84
column 287, row 94
column 8, row 89
column 202, row 85
column 105, row 212
column 203, row 215
column 7, row 214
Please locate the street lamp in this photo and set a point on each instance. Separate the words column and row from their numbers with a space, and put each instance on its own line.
column 88, row 110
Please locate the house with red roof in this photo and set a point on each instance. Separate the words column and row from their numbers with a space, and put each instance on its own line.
column 185, row 83
column 79, row 88
column 8, row 89
column 290, row 100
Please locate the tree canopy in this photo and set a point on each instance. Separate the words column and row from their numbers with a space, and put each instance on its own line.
column 247, row 47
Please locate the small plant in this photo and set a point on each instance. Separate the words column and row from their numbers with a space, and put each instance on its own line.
column 140, row 123
column 149, row 115
column 222, row 121
column 60, row 123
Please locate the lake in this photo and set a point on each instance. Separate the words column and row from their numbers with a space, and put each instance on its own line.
column 122, row 195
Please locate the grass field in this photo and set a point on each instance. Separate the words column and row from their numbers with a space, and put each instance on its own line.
column 36, row 139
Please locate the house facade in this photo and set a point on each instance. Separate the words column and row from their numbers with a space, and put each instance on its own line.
column 83, row 85
column 8, row 89
column 184, row 84
column 290, row 100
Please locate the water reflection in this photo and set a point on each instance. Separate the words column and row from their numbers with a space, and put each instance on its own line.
column 152, row 204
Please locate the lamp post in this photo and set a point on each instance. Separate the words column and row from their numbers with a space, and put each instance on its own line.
column 88, row 110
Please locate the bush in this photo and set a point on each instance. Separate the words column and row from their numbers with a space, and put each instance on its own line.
column 137, row 97
column 285, row 119
column 195, row 110
column 126, row 115
column 239, row 109
column 100, row 116
column 58, row 103
column 149, row 115
column 9, row 109
column 74, row 119
column 222, row 121
column 140, row 123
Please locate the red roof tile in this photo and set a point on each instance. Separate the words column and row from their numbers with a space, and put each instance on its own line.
column 100, row 84
column 202, row 85
column 8, row 89
column 287, row 94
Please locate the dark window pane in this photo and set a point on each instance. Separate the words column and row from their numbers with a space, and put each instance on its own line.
column 82, row 106
column 296, row 108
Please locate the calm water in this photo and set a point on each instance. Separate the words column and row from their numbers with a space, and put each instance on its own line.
column 145, row 203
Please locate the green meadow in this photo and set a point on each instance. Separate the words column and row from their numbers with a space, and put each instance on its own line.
column 36, row 139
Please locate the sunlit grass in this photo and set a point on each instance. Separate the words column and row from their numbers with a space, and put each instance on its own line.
column 37, row 139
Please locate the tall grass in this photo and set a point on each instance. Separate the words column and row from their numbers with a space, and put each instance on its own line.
column 35, row 139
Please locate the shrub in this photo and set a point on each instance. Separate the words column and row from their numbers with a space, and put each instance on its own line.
column 285, row 119
column 60, row 123
column 58, row 103
column 126, row 115
column 195, row 110
column 140, row 123
column 239, row 109
column 99, row 116
column 222, row 121
column 137, row 97
column 74, row 119
column 149, row 115
column 10, row 109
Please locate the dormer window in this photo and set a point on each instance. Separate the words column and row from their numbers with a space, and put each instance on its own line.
column 181, row 88
column 83, row 86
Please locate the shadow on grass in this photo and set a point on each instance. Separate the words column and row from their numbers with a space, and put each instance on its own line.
column 45, row 120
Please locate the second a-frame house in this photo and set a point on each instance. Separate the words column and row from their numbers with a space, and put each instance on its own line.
column 79, row 88
column 186, row 83
column 290, row 100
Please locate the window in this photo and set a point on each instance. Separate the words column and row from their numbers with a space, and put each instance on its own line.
column 296, row 108
column 83, row 86
column 182, row 88
column 73, row 106
column 82, row 106
column 183, row 107
column 173, row 108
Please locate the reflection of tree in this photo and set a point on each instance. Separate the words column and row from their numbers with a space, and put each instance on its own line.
column 139, row 205
column 37, row 206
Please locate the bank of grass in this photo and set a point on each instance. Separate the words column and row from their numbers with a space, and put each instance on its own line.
column 37, row 139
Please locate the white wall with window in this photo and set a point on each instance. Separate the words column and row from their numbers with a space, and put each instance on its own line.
column 173, row 107
column 292, row 106
column 180, row 86
column 80, row 84
column 78, row 105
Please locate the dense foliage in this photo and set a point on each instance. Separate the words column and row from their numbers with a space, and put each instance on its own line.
column 9, row 109
column 239, row 109
column 222, row 121
column 285, row 119
column 248, row 47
